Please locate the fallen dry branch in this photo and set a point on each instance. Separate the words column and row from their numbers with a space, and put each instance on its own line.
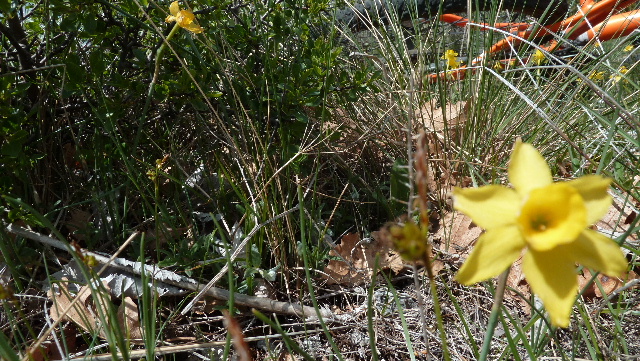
column 171, row 278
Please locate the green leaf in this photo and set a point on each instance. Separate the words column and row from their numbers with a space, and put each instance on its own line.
column 5, row 6
column 75, row 73
column 96, row 60
column 399, row 184
column 14, row 144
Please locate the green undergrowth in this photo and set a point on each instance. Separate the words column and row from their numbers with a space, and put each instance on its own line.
column 278, row 131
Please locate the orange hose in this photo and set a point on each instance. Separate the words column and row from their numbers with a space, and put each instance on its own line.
column 595, row 14
column 458, row 20
column 617, row 26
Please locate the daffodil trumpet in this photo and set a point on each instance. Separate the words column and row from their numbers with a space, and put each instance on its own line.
column 183, row 18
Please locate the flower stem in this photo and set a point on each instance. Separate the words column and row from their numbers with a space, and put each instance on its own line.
column 436, row 307
column 156, row 70
column 154, row 80
column 495, row 312
column 421, row 305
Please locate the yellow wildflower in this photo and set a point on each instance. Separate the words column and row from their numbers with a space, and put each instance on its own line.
column 498, row 66
column 451, row 57
column 617, row 77
column 546, row 222
column 596, row 75
column 184, row 18
column 538, row 57
column 628, row 48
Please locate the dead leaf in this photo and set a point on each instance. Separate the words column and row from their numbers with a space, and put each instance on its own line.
column 437, row 118
column 443, row 125
column 84, row 312
column 357, row 260
column 609, row 284
column 91, row 309
column 613, row 224
column 454, row 234
column 457, row 233
column 129, row 320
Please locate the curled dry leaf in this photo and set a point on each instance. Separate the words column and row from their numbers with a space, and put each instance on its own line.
column 357, row 259
column 91, row 308
column 437, row 118
column 609, row 284
column 84, row 312
column 443, row 125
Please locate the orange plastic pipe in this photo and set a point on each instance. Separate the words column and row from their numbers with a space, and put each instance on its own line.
column 617, row 26
column 458, row 20
column 595, row 13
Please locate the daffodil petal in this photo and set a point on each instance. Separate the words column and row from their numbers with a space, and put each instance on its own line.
column 552, row 276
column 489, row 206
column 174, row 8
column 170, row 19
column 527, row 169
column 593, row 189
column 194, row 28
column 495, row 251
column 598, row 252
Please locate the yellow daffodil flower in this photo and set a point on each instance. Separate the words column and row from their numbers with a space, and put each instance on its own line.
column 628, row 48
column 596, row 75
column 451, row 57
column 184, row 18
column 538, row 57
column 545, row 222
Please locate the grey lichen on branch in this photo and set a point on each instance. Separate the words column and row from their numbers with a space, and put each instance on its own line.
column 174, row 279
